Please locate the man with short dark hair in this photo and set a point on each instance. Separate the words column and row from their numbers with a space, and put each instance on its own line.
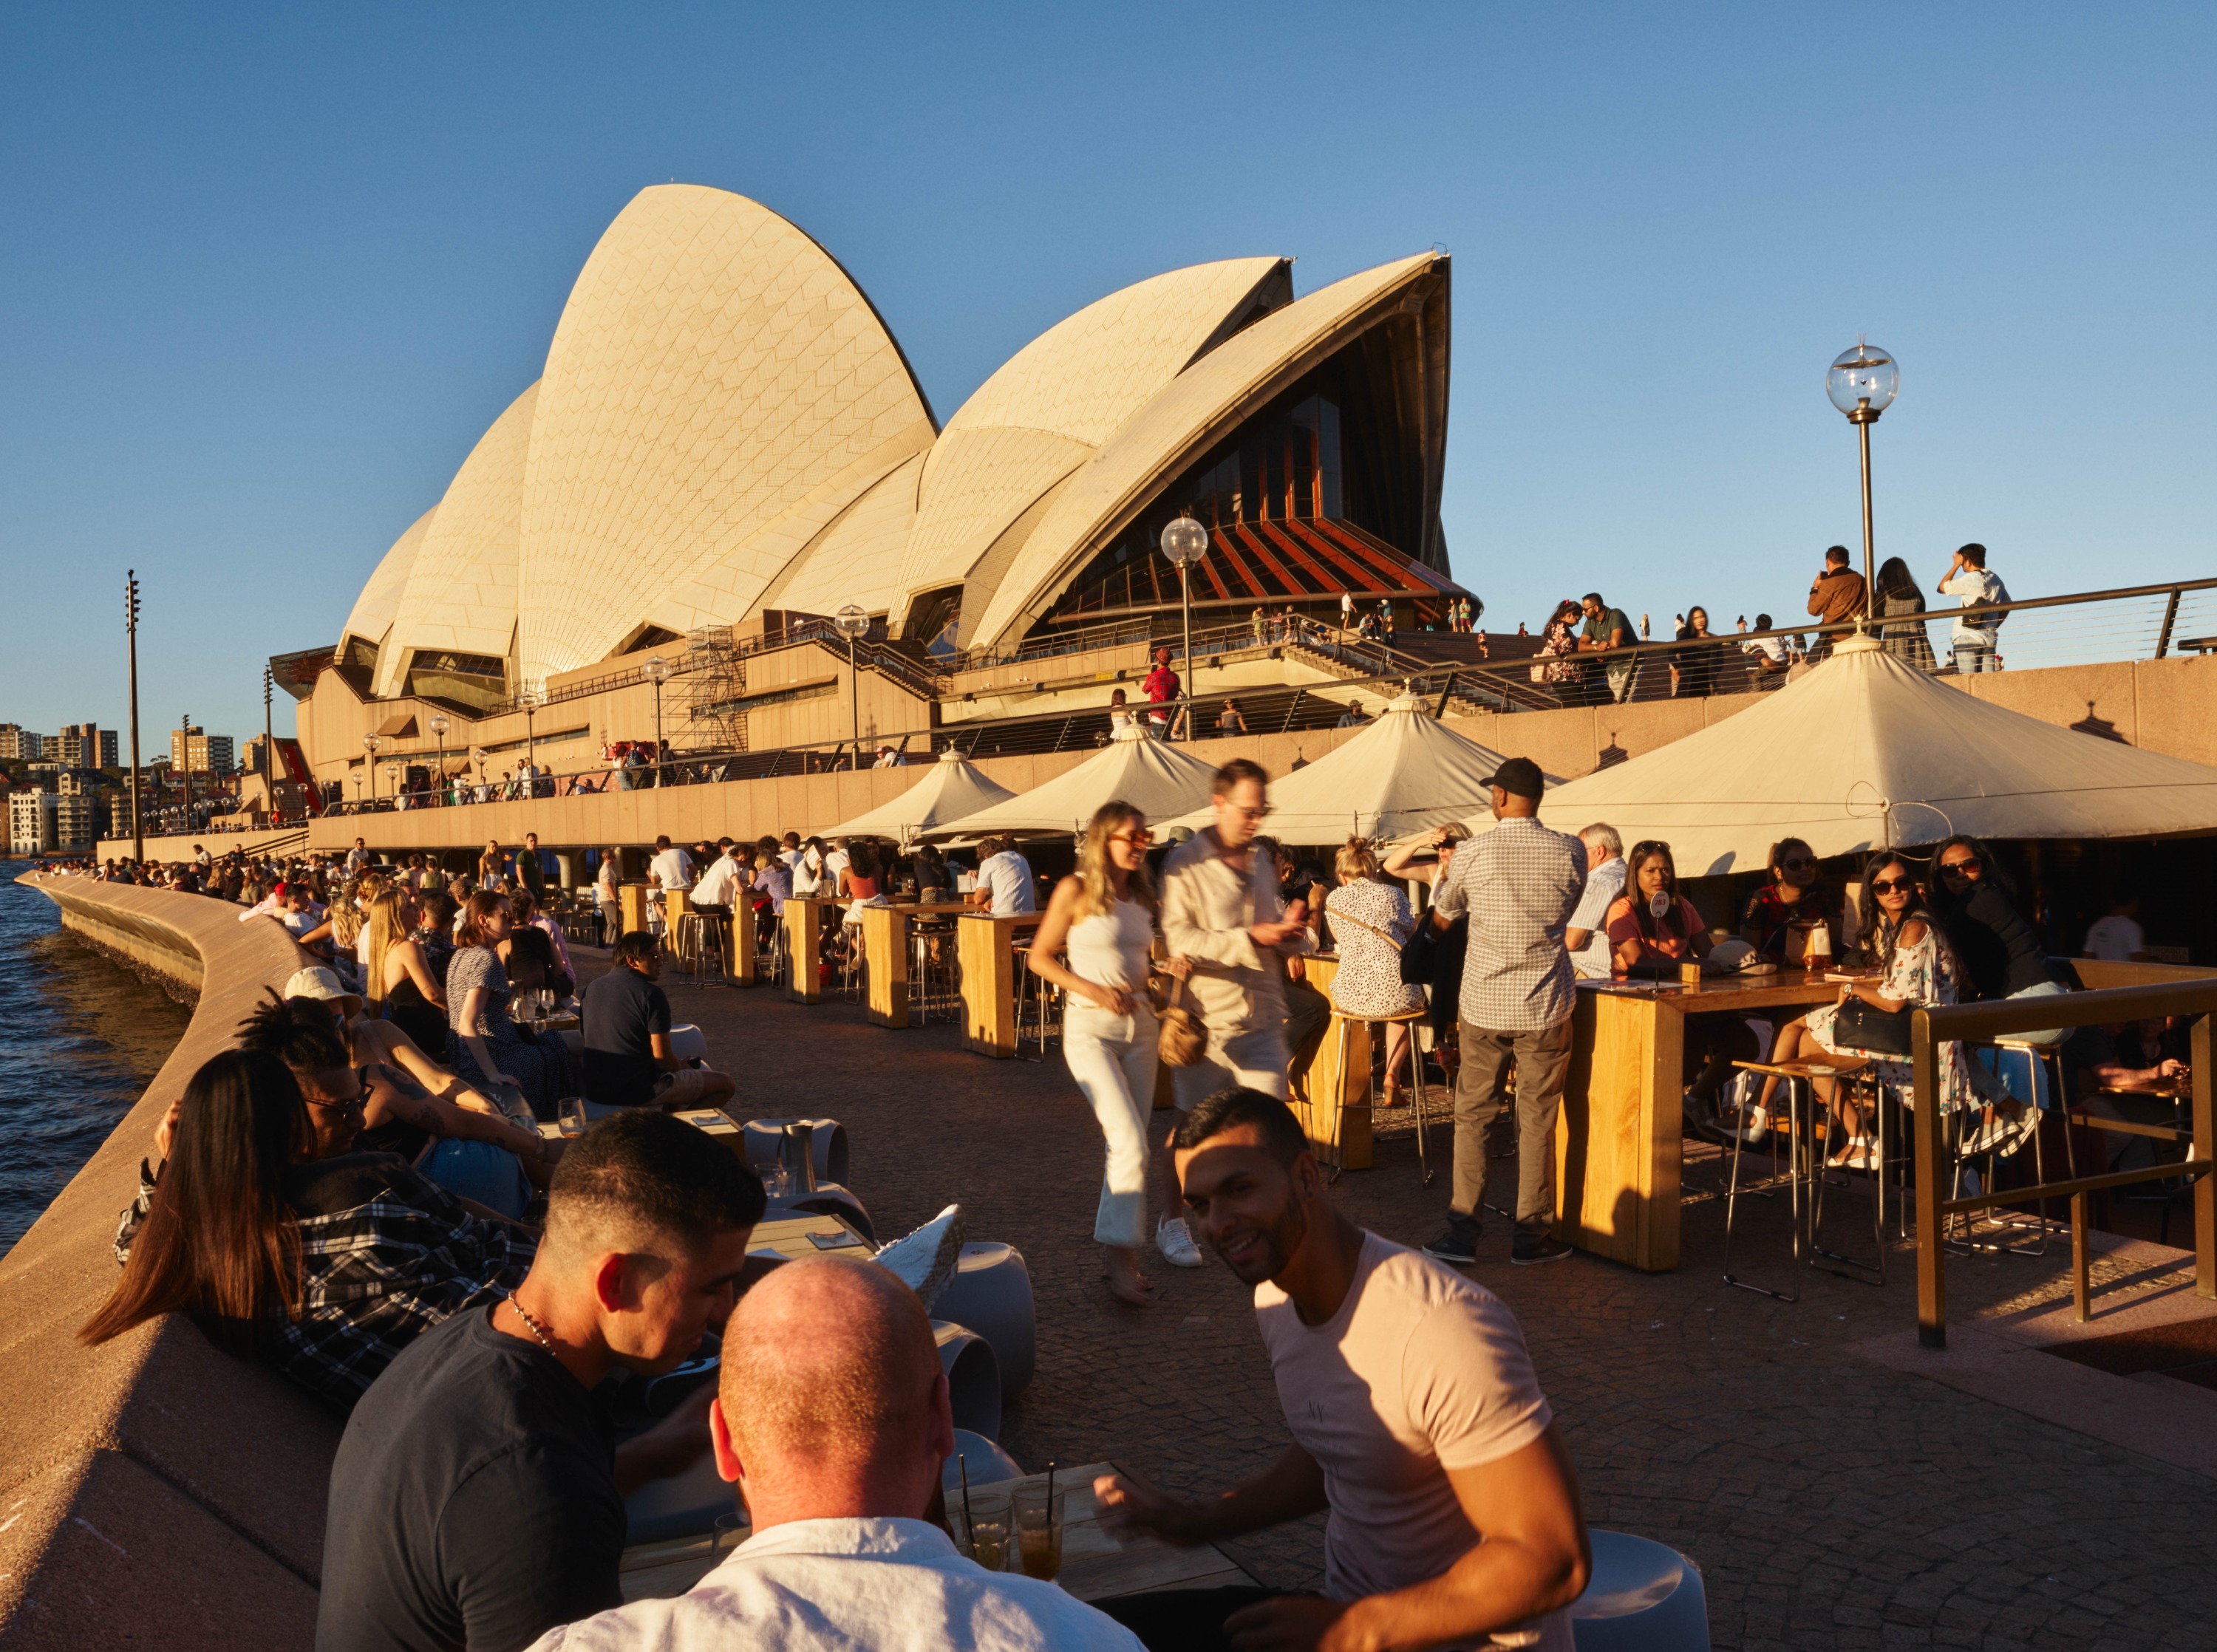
column 1835, row 594
column 1974, row 636
column 476, row 1500
column 672, row 869
column 1417, row 1420
column 1607, row 632
column 530, row 868
column 832, row 1419
column 1520, row 883
column 1222, row 910
column 628, row 1060
column 1004, row 880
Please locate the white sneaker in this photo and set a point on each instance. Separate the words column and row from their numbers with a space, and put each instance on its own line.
column 1174, row 1240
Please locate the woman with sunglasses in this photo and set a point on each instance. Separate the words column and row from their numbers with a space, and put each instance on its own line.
column 1105, row 914
column 1917, row 966
column 1779, row 916
column 2001, row 951
column 1652, row 929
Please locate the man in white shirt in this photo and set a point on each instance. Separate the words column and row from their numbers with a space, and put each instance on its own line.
column 713, row 892
column 832, row 1417
column 1417, row 1422
column 1004, row 880
column 671, row 869
column 357, row 858
column 1587, row 938
column 1974, row 638
column 2118, row 938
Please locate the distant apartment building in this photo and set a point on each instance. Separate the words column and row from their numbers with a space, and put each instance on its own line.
column 193, row 747
column 76, row 825
column 31, row 821
column 85, row 745
column 21, row 744
column 118, row 815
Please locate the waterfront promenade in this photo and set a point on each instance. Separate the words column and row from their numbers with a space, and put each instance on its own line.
column 1838, row 1488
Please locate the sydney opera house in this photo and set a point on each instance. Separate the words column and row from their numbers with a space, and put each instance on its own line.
column 727, row 440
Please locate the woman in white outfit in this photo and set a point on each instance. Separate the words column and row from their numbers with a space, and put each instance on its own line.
column 1105, row 916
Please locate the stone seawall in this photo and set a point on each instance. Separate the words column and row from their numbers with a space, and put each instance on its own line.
column 153, row 1490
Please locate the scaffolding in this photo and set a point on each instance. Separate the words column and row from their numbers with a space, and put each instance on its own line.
column 713, row 674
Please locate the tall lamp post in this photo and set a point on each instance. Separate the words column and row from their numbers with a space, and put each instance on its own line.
column 370, row 742
column 1185, row 542
column 268, row 746
column 439, row 727
column 131, row 630
column 531, row 696
column 185, row 751
column 1863, row 384
column 854, row 625
column 392, row 774
column 658, row 673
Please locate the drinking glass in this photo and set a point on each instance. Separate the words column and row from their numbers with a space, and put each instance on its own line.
column 732, row 1531
column 1039, row 1530
column 985, row 1531
column 777, row 1181
column 570, row 1115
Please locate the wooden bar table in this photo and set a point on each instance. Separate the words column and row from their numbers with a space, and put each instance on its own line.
column 885, row 964
column 983, row 951
column 804, row 935
column 1096, row 1566
column 1617, row 1156
column 739, row 969
column 631, row 902
column 1348, row 1110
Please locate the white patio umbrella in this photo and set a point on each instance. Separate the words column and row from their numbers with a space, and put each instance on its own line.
column 949, row 789
column 1157, row 779
column 1865, row 752
column 1407, row 771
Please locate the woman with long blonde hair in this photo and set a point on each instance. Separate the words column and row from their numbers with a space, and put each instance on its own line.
column 1105, row 916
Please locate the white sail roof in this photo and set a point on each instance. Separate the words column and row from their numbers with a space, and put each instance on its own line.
column 1865, row 752
column 950, row 790
column 1159, row 781
column 1407, row 771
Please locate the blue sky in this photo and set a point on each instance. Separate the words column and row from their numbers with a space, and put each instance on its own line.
column 266, row 273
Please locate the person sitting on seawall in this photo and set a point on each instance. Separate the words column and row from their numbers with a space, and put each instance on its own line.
column 1917, row 966
column 1780, row 916
column 1371, row 923
column 629, row 1060
column 1653, row 930
column 832, row 1419
column 1416, row 1420
column 475, row 1499
column 281, row 1242
column 412, row 1106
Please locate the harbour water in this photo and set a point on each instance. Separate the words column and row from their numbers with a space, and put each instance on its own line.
column 80, row 1038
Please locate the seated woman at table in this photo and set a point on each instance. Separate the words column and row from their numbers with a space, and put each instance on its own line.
column 283, row 1242
column 1371, row 922
column 1779, row 916
column 485, row 1045
column 1652, row 929
column 530, row 915
column 1917, row 966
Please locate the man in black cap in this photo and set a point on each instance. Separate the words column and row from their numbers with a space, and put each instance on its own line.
column 1520, row 883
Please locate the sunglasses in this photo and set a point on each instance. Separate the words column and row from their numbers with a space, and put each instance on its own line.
column 1887, row 886
column 1796, row 865
column 1140, row 836
column 1959, row 868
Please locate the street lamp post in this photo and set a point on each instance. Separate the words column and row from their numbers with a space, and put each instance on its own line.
column 370, row 743
column 439, row 726
column 1185, row 542
column 1863, row 384
column 854, row 625
column 268, row 745
column 531, row 696
column 392, row 774
column 185, row 752
column 131, row 630
column 658, row 673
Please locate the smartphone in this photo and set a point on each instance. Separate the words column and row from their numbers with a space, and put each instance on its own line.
column 833, row 1241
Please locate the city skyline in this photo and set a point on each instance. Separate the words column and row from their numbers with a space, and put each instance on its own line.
column 272, row 274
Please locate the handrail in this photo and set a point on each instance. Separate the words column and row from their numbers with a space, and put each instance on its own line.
column 1932, row 1026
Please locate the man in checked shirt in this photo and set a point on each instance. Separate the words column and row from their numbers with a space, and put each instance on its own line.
column 1520, row 883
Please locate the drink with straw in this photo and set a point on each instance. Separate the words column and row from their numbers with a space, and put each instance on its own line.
column 1039, row 1529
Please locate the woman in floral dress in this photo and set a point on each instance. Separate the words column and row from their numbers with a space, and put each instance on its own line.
column 1917, row 966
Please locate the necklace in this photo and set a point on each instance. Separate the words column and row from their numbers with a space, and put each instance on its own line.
column 546, row 1337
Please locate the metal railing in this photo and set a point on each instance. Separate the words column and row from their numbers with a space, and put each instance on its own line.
column 2195, row 1001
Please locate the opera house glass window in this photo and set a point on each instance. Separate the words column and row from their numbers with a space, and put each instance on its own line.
column 476, row 682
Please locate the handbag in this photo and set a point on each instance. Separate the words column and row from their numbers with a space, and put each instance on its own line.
column 1869, row 1029
column 1182, row 1037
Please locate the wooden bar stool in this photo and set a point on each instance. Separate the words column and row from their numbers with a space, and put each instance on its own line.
column 1418, row 1095
column 1796, row 1076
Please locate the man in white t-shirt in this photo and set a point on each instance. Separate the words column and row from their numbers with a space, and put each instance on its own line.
column 1974, row 638
column 357, row 858
column 1587, row 938
column 671, row 867
column 725, row 873
column 1417, row 1422
column 2118, row 938
column 1004, row 880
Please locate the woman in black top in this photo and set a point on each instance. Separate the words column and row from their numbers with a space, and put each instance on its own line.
column 1695, row 668
column 2001, row 954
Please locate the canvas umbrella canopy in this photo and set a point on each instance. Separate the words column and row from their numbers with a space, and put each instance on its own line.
column 1157, row 779
column 1868, row 752
column 950, row 789
column 1407, row 771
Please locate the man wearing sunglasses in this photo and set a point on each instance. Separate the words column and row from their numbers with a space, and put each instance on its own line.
column 1222, row 909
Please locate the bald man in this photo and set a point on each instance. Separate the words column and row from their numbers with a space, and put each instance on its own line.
column 832, row 1421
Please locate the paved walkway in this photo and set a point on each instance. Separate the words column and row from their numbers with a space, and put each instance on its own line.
column 1829, row 1499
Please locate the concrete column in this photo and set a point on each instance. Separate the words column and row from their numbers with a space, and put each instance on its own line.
column 567, row 865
